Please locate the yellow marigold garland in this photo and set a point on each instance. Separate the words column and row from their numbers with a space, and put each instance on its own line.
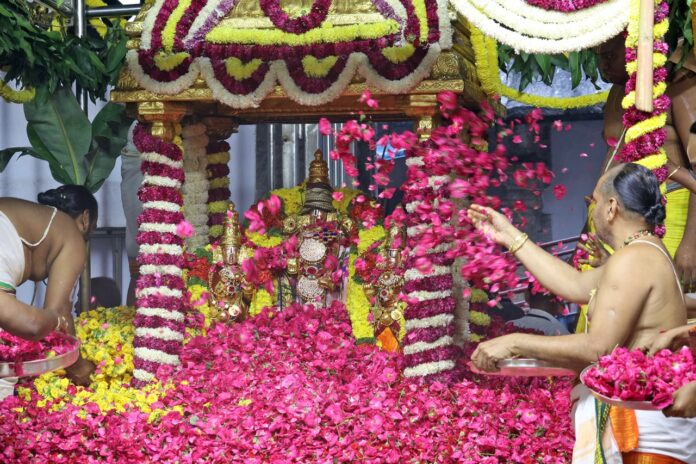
column 11, row 95
column 486, row 53
column 239, row 70
column 314, row 67
column 107, row 341
column 655, row 122
column 327, row 33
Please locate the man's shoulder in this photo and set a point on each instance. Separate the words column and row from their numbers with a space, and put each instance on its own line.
column 632, row 259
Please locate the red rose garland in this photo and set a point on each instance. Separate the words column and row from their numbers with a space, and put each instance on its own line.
column 299, row 25
column 159, row 320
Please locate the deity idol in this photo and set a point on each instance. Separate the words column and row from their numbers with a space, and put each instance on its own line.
column 321, row 235
column 388, row 309
column 230, row 292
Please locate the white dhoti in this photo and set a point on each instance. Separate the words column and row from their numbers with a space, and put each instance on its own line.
column 7, row 387
column 657, row 434
column 11, row 255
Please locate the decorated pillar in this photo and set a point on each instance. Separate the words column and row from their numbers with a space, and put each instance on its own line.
column 195, row 188
column 428, row 347
column 159, row 320
column 218, row 171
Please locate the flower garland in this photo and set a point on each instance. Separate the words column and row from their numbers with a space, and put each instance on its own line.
column 11, row 95
column 486, row 53
column 160, row 268
column 312, row 61
column 540, row 33
column 195, row 188
column 429, row 315
column 219, row 186
column 107, row 341
column 565, row 6
column 299, row 25
column 645, row 132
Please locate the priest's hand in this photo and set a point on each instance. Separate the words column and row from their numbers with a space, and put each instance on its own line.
column 493, row 224
column 80, row 373
column 672, row 339
column 488, row 353
column 598, row 255
column 684, row 402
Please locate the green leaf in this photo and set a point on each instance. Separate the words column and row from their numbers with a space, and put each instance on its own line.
column 7, row 154
column 63, row 130
column 575, row 72
column 110, row 135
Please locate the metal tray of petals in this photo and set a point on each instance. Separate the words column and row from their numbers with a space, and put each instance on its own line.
column 41, row 366
column 527, row 367
column 637, row 405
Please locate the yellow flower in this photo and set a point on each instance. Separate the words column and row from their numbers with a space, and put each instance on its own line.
column 222, row 157
column 357, row 304
column 168, row 61
column 260, row 300
column 173, row 20
column 315, row 67
column 217, row 207
column 219, row 182
column 479, row 318
column 264, row 241
column 239, row 70
column 11, row 95
column 331, row 34
column 399, row 54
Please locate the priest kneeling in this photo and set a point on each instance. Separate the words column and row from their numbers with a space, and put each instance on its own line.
column 632, row 297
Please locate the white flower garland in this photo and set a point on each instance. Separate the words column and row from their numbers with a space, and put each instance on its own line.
column 163, row 291
column 161, row 248
column 419, row 347
column 161, row 333
column 425, row 369
column 167, row 88
column 154, row 157
column 210, row 12
column 158, row 227
column 195, row 188
column 156, row 356
column 143, row 376
column 532, row 27
column 415, row 274
column 161, row 181
column 441, row 320
column 162, row 206
column 166, row 269
column 492, row 28
column 161, row 312
column 423, row 295
column 522, row 8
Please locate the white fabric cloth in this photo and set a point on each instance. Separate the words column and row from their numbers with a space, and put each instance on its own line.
column 131, row 180
column 7, row 387
column 657, row 434
column 11, row 253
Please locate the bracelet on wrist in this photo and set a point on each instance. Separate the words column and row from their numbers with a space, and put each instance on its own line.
column 518, row 242
column 674, row 171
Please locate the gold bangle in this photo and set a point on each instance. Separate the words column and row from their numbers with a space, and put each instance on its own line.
column 669, row 176
column 519, row 241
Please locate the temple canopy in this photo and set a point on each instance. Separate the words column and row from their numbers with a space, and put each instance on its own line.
column 282, row 60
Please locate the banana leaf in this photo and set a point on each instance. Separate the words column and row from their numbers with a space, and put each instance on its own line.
column 61, row 134
column 109, row 136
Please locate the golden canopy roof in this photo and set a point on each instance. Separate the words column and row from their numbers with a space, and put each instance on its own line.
column 295, row 60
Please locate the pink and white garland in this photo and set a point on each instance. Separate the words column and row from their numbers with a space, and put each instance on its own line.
column 195, row 188
column 218, row 185
column 159, row 320
column 428, row 347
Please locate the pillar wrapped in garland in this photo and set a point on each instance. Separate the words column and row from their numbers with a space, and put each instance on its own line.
column 159, row 320
column 219, row 130
column 195, row 188
column 428, row 347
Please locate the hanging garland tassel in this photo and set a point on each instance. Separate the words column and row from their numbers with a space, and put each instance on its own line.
column 645, row 131
column 11, row 95
column 195, row 189
column 219, row 187
column 159, row 320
